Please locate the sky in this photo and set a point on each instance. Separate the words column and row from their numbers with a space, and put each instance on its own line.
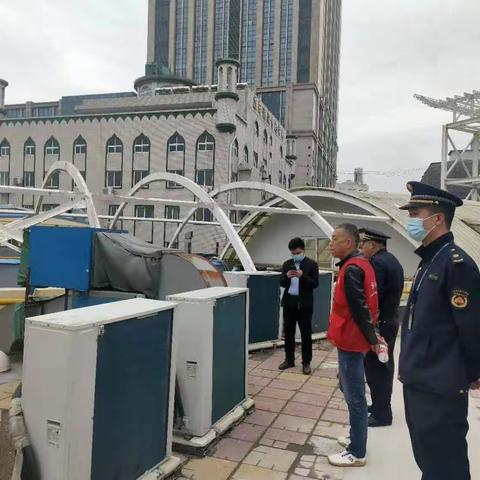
column 390, row 50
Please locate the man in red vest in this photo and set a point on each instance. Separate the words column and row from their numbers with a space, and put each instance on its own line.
column 352, row 331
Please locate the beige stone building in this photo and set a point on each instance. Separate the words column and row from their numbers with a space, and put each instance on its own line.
column 211, row 134
column 289, row 52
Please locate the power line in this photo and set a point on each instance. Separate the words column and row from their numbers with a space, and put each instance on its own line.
column 388, row 173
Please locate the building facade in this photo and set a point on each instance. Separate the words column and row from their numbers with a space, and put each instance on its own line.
column 212, row 135
column 288, row 50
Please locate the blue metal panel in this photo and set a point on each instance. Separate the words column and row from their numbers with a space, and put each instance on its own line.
column 264, row 300
column 321, row 304
column 61, row 257
column 228, row 382
column 131, row 397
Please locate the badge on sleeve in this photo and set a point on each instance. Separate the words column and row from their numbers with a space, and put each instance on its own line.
column 459, row 299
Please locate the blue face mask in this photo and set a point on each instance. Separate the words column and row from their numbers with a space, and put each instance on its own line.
column 416, row 229
column 299, row 257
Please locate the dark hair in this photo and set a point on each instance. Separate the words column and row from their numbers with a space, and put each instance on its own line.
column 447, row 212
column 352, row 230
column 295, row 243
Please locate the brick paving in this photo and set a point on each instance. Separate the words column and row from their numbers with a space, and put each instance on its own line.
column 292, row 430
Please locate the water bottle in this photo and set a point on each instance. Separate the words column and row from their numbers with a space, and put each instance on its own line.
column 383, row 353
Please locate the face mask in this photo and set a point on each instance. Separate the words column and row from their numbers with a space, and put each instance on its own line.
column 299, row 257
column 416, row 229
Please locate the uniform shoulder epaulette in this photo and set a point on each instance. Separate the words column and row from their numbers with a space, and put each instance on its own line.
column 456, row 255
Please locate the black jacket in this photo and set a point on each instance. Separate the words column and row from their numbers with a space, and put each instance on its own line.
column 389, row 276
column 357, row 303
column 308, row 281
column 441, row 329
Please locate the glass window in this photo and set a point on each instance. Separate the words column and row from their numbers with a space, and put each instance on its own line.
column 4, row 149
column 52, row 147
column 29, row 148
column 4, row 178
column 304, row 41
column 235, row 148
column 49, row 206
column 172, row 212
column 139, row 175
column 205, row 143
column 181, row 37
column 275, row 102
column 205, row 177
column 255, row 159
column 268, row 41
column 112, row 210
column 286, row 32
column 141, row 144
column 54, row 180
column 49, row 111
column 248, row 53
column 200, row 42
column 256, row 129
column 245, row 155
column 144, row 211
column 15, row 112
column 203, row 215
column 80, row 146
column 114, row 178
column 174, row 184
column 29, row 179
column 176, row 143
column 265, row 137
column 114, row 145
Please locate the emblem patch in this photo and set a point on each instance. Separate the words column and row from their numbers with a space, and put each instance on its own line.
column 459, row 299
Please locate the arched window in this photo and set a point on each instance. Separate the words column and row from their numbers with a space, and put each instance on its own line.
column 141, row 159
column 29, row 147
column 114, row 165
column 256, row 129
column 141, row 144
column 265, row 137
column 245, row 155
column 5, row 148
column 114, row 145
column 175, row 157
column 235, row 148
column 205, row 142
column 80, row 146
column 176, row 143
column 281, row 152
column 52, row 147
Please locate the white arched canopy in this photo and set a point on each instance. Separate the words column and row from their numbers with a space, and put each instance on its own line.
column 280, row 195
column 206, row 202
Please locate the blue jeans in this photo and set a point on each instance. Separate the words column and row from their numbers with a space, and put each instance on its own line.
column 351, row 372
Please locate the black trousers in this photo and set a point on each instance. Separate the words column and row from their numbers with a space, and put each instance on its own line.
column 294, row 313
column 380, row 375
column 438, row 428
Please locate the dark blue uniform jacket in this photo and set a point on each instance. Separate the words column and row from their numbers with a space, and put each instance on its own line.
column 440, row 350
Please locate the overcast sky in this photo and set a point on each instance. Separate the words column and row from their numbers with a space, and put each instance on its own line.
column 391, row 49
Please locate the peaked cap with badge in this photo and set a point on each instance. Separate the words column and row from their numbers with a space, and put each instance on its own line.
column 423, row 195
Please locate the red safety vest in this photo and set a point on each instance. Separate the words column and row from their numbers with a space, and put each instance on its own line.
column 343, row 331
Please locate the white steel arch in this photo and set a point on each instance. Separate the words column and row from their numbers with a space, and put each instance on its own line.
column 206, row 201
column 79, row 181
column 281, row 195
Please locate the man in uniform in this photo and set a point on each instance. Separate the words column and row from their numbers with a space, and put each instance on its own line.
column 389, row 276
column 440, row 351
column 299, row 278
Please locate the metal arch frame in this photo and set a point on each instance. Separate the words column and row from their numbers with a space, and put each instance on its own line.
column 377, row 212
column 207, row 202
column 280, row 195
column 79, row 181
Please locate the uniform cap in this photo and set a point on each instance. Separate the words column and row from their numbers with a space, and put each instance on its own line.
column 423, row 195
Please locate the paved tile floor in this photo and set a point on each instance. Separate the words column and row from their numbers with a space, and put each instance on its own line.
column 295, row 425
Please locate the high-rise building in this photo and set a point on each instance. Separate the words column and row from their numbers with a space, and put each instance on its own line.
column 288, row 50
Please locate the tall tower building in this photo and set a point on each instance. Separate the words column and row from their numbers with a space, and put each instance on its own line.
column 288, row 49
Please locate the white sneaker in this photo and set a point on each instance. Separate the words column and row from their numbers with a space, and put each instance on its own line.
column 346, row 459
column 344, row 441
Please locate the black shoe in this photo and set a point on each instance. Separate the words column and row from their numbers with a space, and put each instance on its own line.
column 286, row 364
column 306, row 369
column 373, row 422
